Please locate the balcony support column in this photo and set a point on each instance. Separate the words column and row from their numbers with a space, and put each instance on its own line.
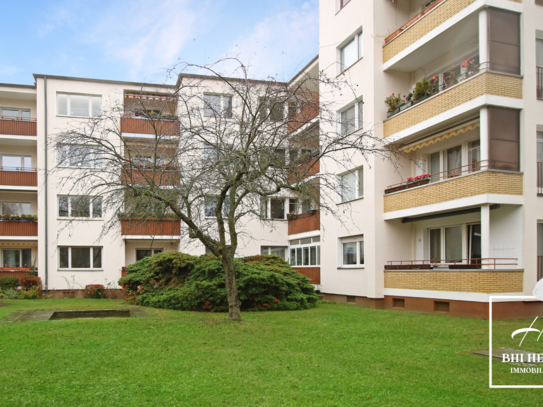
column 483, row 135
column 485, row 232
column 483, row 36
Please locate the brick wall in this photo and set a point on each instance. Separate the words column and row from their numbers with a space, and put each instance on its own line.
column 491, row 281
column 422, row 27
column 483, row 84
column 487, row 182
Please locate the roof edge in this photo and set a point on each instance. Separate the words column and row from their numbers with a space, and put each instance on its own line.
column 17, row 85
column 73, row 78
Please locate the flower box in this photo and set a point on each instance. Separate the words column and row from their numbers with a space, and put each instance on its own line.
column 418, row 183
column 395, row 189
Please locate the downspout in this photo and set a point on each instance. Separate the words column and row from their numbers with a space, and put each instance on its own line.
column 46, row 189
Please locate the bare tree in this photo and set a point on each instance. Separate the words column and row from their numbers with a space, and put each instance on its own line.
column 220, row 148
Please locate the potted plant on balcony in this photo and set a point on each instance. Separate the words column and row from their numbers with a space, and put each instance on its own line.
column 4, row 217
column 291, row 215
column 34, row 218
column 26, row 218
column 393, row 102
column 422, row 90
column 418, row 180
column 14, row 218
column 311, row 212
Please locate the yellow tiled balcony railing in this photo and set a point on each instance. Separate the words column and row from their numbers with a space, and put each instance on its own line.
column 473, row 281
column 422, row 24
column 484, row 83
column 465, row 186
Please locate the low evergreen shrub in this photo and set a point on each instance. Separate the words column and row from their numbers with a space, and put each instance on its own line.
column 11, row 294
column 9, row 282
column 183, row 282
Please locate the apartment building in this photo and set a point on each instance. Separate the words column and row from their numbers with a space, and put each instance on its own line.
column 451, row 221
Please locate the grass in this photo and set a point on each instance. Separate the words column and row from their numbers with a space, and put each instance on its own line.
column 333, row 355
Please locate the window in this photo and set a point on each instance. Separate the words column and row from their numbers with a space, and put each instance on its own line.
column 16, row 257
column 79, row 105
column 352, row 118
column 504, row 138
column 352, row 251
column 79, row 258
column 73, row 155
column 16, row 208
column 217, row 106
column 80, row 207
column 16, row 162
column 504, row 41
column 454, row 161
column 274, row 208
column 435, row 166
column 14, row 113
column 539, row 52
column 279, row 157
column 540, row 146
column 279, row 251
column 143, row 253
column 447, row 240
column 210, row 204
column 305, row 252
column 277, row 112
column 352, row 51
column 352, row 185
column 474, row 155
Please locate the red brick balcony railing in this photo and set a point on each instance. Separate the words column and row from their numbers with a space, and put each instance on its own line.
column 18, row 228
column 18, row 126
column 313, row 273
column 146, row 126
column 150, row 227
column 304, row 222
column 18, row 176
column 144, row 176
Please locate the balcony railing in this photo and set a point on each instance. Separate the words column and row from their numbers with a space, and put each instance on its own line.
column 539, row 74
column 435, row 87
column 160, row 127
column 18, row 228
column 313, row 273
column 426, row 10
column 304, row 222
column 18, row 126
column 439, row 176
column 17, row 176
column 143, row 176
column 150, row 227
column 463, row 264
column 19, row 272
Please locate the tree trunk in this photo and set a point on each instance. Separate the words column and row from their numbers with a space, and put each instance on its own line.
column 231, row 289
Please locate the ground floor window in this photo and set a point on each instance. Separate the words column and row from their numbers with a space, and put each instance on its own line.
column 280, row 251
column 305, row 252
column 446, row 243
column 352, row 251
column 17, row 257
column 143, row 253
column 81, row 258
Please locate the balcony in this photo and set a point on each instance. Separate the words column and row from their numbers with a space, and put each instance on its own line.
column 18, row 228
column 151, row 127
column 150, row 227
column 144, row 176
column 305, row 222
column 456, row 92
column 313, row 273
column 457, row 183
column 15, row 176
column 307, row 113
column 17, row 126
column 19, row 272
column 308, row 169
column 502, row 277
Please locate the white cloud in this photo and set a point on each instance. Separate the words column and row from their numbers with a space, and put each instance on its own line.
column 281, row 44
column 146, row 35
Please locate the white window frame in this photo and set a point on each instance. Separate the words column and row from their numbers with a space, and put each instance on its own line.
column 267, row 215
column 264, row 103
column 20, row 250
column 68, row 104
column 298, row 249
column 153, row 251
column 20, row 167
column 224, row 113
column 20, row 114
column 279, row 247
column 358, row 105
column 357, row 239
column 95, row 156
column 443, row 246
column 70, row 268
column 225, row 207
column 91, row 207
column 359, row 185
column 358, row 37
column 19, row 204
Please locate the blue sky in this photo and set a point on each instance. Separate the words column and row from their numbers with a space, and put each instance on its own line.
column 135, row 40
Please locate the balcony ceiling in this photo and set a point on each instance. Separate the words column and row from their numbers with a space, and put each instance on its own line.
column 465, row 31
column 25, row 95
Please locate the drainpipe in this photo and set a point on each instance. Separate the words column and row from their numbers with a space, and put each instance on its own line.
column 46, row 189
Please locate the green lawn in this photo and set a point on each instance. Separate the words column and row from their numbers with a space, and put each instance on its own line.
column 333, row 355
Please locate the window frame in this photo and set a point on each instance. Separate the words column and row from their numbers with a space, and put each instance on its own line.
column 443, row 241
column 20, row 113
column 225, row 208
column 91, row 254
column 68, row 104
column 225, row 112
column 19, row 204
column 358, row 118
column 359, row 185
column 153, row 251
column 358, row 38
column 265, row 203
column 300, row 248
column 358, row 240
column 20, row 168
column 94, row 160
column 91, row 207
column 279, row 247
column 20, row 250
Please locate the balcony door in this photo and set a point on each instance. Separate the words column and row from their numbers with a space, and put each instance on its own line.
column 16, row 163
column 474, row 244
column 447, row 240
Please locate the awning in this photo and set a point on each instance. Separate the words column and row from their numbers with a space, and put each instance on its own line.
column 18, row 244
column 148, row 96
column 439, row 137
